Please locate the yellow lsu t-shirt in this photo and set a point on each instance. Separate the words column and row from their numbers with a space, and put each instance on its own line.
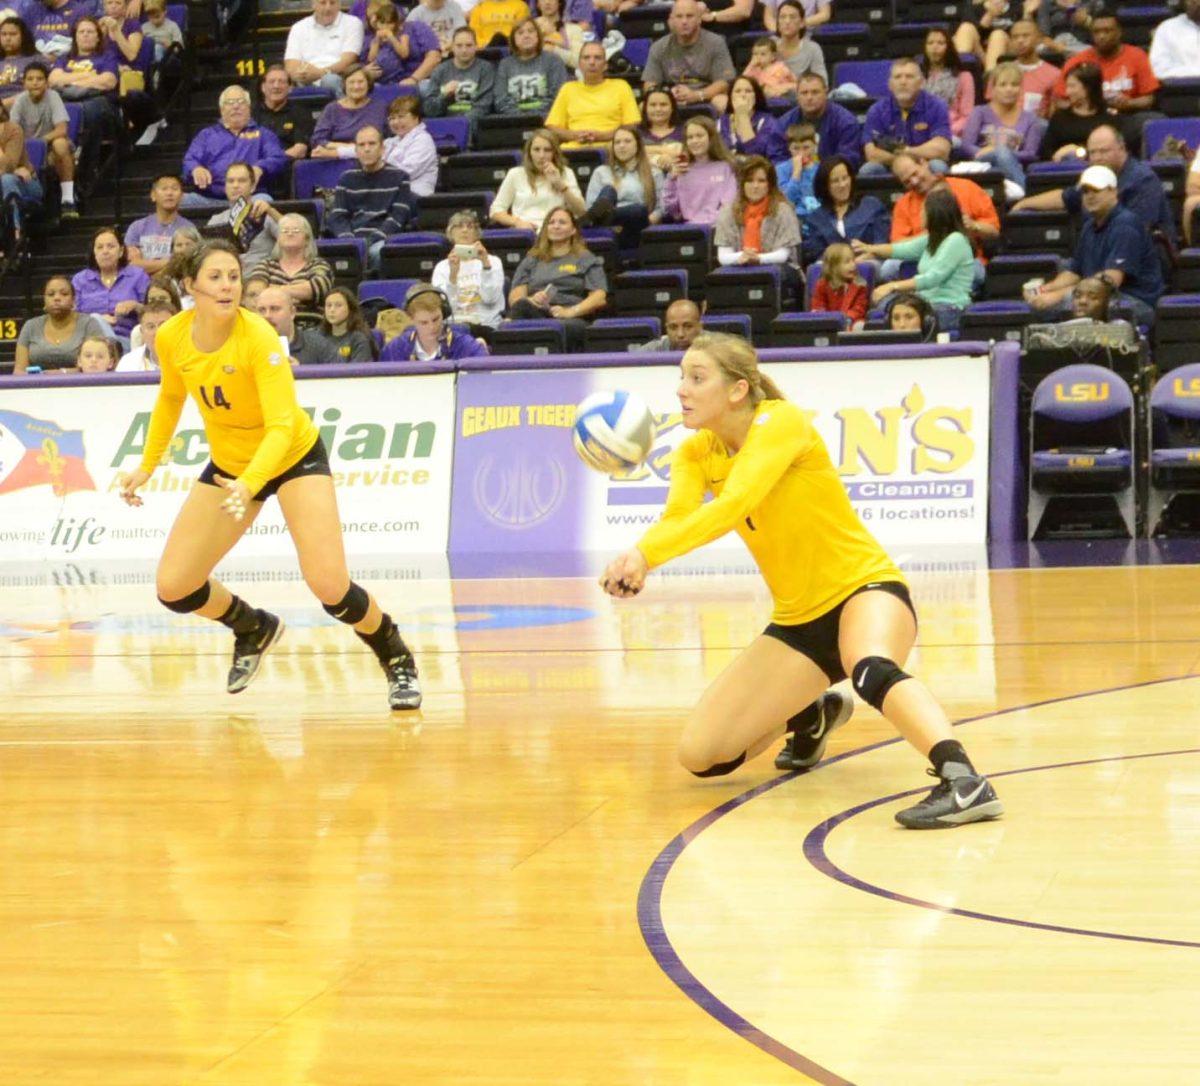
column 246, row 395
column 781, row 493
column 599, row 108
column 492, row 17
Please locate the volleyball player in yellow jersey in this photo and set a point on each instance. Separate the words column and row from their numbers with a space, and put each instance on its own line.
column 841, row 605
column 263, row 445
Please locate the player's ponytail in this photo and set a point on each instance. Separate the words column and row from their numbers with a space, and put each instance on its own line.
column 738, row 361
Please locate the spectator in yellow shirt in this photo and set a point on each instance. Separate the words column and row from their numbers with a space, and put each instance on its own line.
column 591, row 110
column 493, row 20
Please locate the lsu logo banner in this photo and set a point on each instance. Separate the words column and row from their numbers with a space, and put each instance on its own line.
column 35, row 452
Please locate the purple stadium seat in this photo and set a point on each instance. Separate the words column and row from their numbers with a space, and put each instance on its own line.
column 310, row 174
column 842, row 41
column 449, row 133
column 347, row 256
column 996, row 320
column 1082, row 455
column 1174, row 445
column 753, row 289
column 529, row 337
column 390, row 290
column 730, row 324
column 620, row 333
column 1155, row 133
column 649, row 291
column 1177, row 317
column 806, row 329
column 412, row 256
column 870, row 75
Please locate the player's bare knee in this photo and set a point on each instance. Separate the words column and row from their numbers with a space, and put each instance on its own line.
column 698, row 753
column 328, row 587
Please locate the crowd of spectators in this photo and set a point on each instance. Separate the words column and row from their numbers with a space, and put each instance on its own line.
column 764, row 153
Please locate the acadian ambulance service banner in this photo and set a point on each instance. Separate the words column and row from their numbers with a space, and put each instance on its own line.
column 390, row 444
column 909, row 437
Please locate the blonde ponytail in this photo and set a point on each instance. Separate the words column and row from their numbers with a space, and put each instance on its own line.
column 738, row 361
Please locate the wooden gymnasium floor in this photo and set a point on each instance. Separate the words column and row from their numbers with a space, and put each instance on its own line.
column 519, row 886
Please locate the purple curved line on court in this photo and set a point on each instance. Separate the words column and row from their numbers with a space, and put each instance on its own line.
column 649, row 905
column 814, row 852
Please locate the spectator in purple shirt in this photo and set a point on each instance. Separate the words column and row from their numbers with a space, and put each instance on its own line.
column 111, row 288
column 396, row 51
column 236, row 138
column 1001, row 132
column 88, row 75
column 703, row 179
column 148, row 240
column 747, row 127
column 429, row 337
column 53, row 22
column 123, row 35
column 909, row 118
column 838, row 133
column 340, row 121
column 17, row 51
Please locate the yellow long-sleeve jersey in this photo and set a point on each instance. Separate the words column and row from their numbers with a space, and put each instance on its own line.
column 782, row 495
column 246, row 395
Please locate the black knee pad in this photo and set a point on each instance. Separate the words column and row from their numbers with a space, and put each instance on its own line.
column 352, row 607
column 721, row 769
column 193, row 601
column 873, row 677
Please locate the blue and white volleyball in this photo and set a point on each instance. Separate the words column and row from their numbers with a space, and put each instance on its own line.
column 613, row 431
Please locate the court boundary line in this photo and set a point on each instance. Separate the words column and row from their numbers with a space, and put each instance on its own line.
column 814, row 852
column 649, row 901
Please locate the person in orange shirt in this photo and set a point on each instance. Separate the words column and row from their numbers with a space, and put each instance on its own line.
column 980, row 218
column 842, row 608
column 264, row 445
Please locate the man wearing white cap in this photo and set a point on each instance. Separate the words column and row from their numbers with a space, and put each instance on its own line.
column 1139, row 188
column 1113, row 245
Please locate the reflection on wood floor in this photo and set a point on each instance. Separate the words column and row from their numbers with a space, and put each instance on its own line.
column 293, row 886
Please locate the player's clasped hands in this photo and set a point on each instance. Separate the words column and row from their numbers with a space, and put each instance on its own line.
column 237, row 498
column 625, row 575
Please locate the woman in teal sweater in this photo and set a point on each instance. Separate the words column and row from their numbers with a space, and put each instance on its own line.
column 946, row 261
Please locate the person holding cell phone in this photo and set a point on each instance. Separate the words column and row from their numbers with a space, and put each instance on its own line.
column 471, row 277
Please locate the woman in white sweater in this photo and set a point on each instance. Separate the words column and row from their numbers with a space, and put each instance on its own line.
column 471, row 277
column 541, row 183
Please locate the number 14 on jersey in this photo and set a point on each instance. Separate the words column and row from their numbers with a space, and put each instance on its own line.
column 218, row 398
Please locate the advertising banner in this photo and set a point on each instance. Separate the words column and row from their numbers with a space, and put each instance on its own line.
column 62, row 451
column 909, row 438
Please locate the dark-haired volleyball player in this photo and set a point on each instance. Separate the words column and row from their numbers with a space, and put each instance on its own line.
column 263, row 445
column 841, row 605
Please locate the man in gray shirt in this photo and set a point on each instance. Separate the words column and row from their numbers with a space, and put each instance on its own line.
column 683, row 325
column 305, row 346
column 463, row 85
column 252, row 221
column 694, row 62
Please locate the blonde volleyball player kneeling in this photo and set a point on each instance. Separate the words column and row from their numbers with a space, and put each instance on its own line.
column 841, row 605
column 263, row 445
